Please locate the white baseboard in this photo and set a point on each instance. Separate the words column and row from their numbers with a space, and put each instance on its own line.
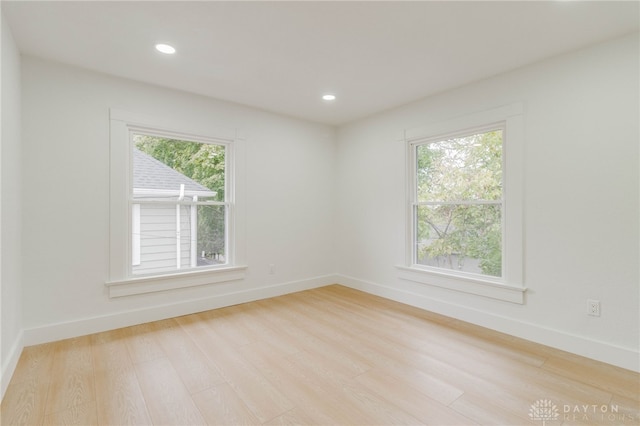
column 10, row 362
column 594, row 349
column 598, row 350
column 90, row 325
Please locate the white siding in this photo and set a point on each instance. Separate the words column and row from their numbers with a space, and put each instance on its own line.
column 158, row 238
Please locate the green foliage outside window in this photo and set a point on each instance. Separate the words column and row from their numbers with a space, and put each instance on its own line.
column 459, row 193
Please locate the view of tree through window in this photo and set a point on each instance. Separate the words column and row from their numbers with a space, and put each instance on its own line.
column 458, row 208
column 179, row 188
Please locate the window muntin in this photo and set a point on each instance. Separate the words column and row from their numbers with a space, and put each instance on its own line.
column 458, row 202
column 179, row 205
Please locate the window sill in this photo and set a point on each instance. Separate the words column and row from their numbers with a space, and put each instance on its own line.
column 142, row 285
column 465, row 284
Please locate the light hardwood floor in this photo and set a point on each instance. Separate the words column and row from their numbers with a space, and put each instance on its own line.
column 331, row 356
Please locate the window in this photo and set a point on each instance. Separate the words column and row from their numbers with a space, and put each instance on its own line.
column 464, row 204
column 458, row 202
column 174, row 216
column 178, row 204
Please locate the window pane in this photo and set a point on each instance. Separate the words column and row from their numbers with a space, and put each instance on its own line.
column 461, row 237
column 464, row 168
column 211, row 244
column 162, row 166
column 174, row 237
column 172, row 228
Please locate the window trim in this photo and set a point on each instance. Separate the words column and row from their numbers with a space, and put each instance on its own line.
column 122, row 282
column 189, row 278
column 509, row 287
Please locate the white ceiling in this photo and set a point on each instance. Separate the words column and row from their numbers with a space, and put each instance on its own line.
column 282, row 56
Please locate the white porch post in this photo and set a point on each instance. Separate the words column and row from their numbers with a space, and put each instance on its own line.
column 178, row 229
column 194, row 232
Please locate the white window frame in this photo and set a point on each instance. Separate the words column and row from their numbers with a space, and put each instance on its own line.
column 509, row 287
column 122, row 281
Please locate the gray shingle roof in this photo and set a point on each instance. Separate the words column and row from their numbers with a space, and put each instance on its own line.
column 150, row 174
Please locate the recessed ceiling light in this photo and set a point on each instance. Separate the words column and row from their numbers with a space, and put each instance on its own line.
column 329, row 97
column 165, row 48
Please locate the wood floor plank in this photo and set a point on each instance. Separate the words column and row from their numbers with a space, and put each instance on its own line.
column 484, row 410
column 80, row 415
column 24, row 402
column 220, row 405
column 313, row 402
column 226, row 324
column 417, row 381
column 419, row 405
column 72, row 380
column 364, row 404
column 265, row 332
column 193, row 367
column 305, row 331
column 262, row 398
column 377, row 408
column 142, row 344
column 35, row 362
column 358, row 338
column 119, row 399
column 295, row 417
column 109, row 351
column 168, row 400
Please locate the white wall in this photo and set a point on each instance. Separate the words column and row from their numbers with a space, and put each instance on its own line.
column 66, row 212
column 10, row 210
column 581, row 201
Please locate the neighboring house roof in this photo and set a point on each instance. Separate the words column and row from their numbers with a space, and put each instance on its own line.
column 153, row 177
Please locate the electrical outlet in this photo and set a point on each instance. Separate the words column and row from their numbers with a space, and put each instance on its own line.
column 593, row 307
column 272, row 268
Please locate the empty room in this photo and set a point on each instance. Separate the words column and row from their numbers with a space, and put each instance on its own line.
column 321, row 213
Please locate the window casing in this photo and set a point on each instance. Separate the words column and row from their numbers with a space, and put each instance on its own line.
column 464, row 204
column 158, row 215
